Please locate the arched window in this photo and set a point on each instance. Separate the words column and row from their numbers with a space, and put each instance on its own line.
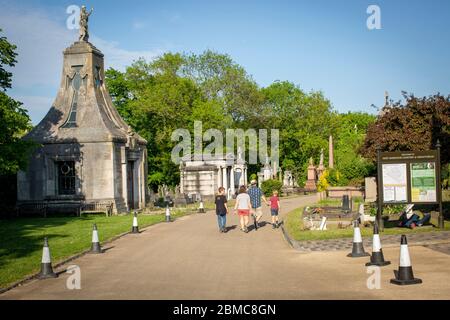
column 66, row 177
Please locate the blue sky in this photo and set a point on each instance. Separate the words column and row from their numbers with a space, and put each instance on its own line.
column 319, row 45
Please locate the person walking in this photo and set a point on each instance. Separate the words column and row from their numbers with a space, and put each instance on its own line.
column 221, row 209
column 256, row 195
column 242, row 207
column 274, row 209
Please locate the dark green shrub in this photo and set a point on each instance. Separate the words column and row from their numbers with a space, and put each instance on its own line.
column 269, row 186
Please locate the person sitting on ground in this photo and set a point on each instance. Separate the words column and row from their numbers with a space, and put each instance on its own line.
column 242, row 207
column 409, row 219
column 221, row 209
column 274, row 209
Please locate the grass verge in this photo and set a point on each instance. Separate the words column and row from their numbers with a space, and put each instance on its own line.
column 21, row 240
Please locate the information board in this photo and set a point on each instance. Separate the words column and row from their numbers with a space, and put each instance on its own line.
column 409, row 177
column 423, row 182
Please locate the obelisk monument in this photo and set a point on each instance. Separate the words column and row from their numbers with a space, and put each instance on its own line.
column 330, row 153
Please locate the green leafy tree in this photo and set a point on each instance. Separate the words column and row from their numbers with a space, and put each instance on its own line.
column 221, row 79
column 350, row 135
column 305, row 121
column 14, row 121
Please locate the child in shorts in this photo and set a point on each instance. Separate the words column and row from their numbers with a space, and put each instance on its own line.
column 274, row 208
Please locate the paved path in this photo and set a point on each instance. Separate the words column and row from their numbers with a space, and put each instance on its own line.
column 190, row 259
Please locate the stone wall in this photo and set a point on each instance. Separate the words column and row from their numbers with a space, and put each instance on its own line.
column 338, row 192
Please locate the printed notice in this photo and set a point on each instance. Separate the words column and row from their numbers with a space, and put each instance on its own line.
column 423, row 182
column 394, row 182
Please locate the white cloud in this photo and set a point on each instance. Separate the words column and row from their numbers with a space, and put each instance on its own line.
column 40, row 42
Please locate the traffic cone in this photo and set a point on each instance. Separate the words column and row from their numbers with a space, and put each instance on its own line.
column 377, row 257
column 358, row 247
column 46, row 263
column 95, row 248
column 135, row 228
column 168, row 214
column 201, row 208
column 404, row 275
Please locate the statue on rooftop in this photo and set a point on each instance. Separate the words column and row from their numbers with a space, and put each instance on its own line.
column 84, row 21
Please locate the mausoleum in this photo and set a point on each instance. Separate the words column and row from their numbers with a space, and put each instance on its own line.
column 88, row 155
column 202, row 178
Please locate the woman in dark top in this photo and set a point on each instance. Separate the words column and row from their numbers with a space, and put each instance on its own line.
column 221, row 209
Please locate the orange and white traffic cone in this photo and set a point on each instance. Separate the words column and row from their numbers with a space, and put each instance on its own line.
column 404, row 275
column 46, row 263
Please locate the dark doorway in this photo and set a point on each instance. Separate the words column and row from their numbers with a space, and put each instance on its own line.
column 66, row 177
column 130, row 184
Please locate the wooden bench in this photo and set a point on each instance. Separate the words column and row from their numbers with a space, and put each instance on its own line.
column 44, row 208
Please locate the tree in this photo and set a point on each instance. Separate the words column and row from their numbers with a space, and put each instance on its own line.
column 223, row 80
column 350, row 135
column 7, row 58
column 413, row 126
column 305, row 121
column 155, row 100
column 172, row 92
column 14, row 121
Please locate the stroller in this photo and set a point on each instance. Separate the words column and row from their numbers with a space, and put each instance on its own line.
column 409, row 219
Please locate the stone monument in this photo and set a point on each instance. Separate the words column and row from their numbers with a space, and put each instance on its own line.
column 330, row 153
column 312, row 176
column 88, row 154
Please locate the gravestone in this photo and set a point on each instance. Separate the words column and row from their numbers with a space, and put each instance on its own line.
column 370, row 189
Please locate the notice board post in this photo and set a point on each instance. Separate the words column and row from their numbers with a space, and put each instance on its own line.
column 441, row 213
column 409, row 177
column 379, row 192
